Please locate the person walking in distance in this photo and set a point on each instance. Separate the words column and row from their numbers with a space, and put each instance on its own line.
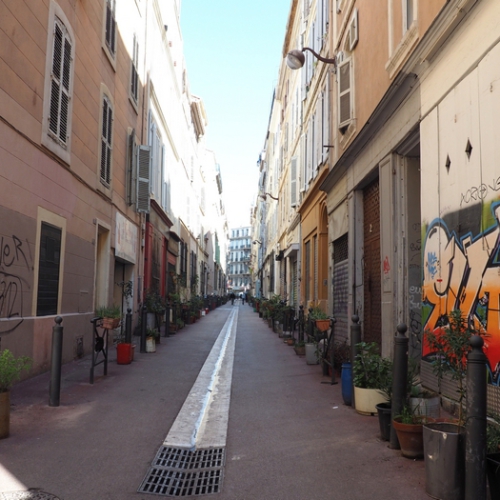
column 232, row 296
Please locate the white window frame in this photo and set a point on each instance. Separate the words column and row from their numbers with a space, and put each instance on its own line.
column 134, row 75
column 409, row 6
column 51, row 140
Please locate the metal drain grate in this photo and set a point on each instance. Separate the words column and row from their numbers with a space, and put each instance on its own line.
column 178, row 472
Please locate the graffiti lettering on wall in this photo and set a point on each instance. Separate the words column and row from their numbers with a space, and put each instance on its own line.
column 463, row 273
column 13, row 264
column 477, row 193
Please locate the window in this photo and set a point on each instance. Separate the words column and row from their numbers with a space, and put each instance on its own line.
column 134, row 77
column 408, row 14
column 106, row 140
column 110, row 33
column 345, row 93
column 57, row 105
column 48, row 270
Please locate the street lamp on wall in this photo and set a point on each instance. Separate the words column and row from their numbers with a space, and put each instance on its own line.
column 265, row 195
column 295, row 59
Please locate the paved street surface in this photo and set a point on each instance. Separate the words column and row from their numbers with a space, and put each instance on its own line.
column 289, row 436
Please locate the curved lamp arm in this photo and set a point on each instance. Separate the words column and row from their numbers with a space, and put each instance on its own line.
column 295, row 59
column 265, row 195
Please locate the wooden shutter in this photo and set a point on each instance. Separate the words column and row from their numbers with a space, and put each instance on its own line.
column 48, row 270
column 106, row 140
column 353, row 30
column 345, row 92
column 60, row 83
column 143, row 176
column 293, row 182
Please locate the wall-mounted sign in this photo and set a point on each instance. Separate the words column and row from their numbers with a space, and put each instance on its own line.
column 126, row 235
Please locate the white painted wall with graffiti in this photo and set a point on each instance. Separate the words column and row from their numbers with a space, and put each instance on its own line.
column 460, row 181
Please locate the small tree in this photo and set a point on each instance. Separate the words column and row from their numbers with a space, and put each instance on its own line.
column 451, row 345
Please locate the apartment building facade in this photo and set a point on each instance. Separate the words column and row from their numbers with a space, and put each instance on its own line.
column 396, row 207
column 238, row 260
column 98, row 138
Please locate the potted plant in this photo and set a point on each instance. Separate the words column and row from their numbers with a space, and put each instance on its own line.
column 320, row 318
column 111, row 316
column 370, row 375
column 493, row 455
column 444, row 442
column 152, row 336
column 300, row 348
column 10, row 371
column 409, row 429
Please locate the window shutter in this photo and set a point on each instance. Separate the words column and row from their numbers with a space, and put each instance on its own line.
column 326, row 122
column 110, row 26
column 106, row 140
column 319, row 26
column 134, row 77
column 353, row 30
column 131, row 171
column 60, row 84
column 344, row 73
column 143, row 175
column 293, row 182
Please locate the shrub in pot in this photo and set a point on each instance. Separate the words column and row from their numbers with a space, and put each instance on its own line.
column 444, row 442
column 10, row 371
column 372, row 378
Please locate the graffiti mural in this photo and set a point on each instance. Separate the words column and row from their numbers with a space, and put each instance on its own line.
column 15, row 258
column 462, row 271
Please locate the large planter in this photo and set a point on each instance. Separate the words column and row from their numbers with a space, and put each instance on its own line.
column 4, row 414
column 384, row 411
column 150, row 344
column 311, row 356
column 427, row 406
column 366, row 400
column 124, row 353
column 346, row 379
column 493, row 473
column 444, row 453
column 410, row 437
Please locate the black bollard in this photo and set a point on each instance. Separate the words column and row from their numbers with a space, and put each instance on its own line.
column 475, row 427
column 332, row 345
column 355, row 340
column 56, row 361
column 128, row 326
column 144, row 321
column 167, row 320
column 399, row 379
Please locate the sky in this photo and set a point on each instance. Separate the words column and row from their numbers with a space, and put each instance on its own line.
column 233, row 50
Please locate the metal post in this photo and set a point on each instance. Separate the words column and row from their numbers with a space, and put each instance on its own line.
column 399, row 379
column 144, row 320
column 475, row 427
column 355, row 340
column 332, row 344
column 56, row 361
column 128, row 326
column 167, row 320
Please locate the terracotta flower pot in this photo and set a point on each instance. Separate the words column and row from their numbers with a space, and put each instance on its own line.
column 410, row 437
column 322, row 324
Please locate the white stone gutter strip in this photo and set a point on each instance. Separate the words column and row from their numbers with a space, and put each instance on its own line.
column 203, row 418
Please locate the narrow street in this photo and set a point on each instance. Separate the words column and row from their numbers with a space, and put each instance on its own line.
column 289, row 435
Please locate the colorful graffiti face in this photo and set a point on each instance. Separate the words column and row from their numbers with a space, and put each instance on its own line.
column 463, row 274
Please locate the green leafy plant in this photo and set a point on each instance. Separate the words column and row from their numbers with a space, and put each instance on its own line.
column 11, row 368
column 152, row 332
column 493, row 435
column 113, row 312
column 451, row 345
column 409, row 417
column 317, row 313
column 370, row 370
column 154, row 302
